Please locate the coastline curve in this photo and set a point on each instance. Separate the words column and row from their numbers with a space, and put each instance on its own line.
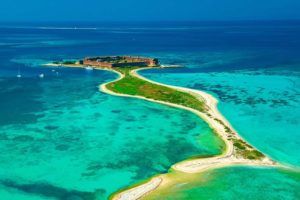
column 227, row 158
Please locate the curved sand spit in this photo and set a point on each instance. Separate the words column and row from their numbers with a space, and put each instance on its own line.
column 229, row 157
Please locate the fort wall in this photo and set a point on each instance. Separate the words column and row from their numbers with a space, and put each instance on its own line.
column 120, row 61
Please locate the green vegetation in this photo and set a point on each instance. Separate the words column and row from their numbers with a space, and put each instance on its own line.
column 132, row 85
column 69, row 62
column 242, row 148
column 246, row 151
column 239, row 145
column 252, row 154
column 227, row 129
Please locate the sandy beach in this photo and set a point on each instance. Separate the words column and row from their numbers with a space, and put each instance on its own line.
column 228, row 157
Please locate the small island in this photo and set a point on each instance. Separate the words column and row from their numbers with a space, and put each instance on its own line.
column 130, row 84
column 109, row 62
column 120, row 61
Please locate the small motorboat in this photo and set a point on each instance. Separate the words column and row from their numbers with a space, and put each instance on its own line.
column 171, row 66
column 41, row 75
column 89, row 68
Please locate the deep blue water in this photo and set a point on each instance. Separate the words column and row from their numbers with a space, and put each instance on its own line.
column 63, row 120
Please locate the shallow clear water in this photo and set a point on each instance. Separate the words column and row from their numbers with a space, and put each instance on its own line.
column 236, row 183
column 262, row 107
column 61, row 138
column 69, row 136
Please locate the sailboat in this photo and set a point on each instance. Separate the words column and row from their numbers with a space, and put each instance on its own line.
column 19, row 73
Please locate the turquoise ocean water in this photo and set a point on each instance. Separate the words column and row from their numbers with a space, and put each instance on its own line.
column 61, row 138
column 262, row 107
column 237, row 183
column 80, row 143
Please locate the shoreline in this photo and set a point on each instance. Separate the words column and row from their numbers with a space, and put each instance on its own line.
column 228, row 157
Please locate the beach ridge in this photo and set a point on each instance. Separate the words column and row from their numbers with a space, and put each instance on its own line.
column 227, row 158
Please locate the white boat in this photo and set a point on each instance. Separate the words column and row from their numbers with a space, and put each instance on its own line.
column 89, row 68
column 41, row 75
column 19, row 73
column 170, row 66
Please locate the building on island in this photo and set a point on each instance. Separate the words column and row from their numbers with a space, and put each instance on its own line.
column 120, row 61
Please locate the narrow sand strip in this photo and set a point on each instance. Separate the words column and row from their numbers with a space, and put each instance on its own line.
column 228, row 158
column 196, row 165
column 139, row 191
